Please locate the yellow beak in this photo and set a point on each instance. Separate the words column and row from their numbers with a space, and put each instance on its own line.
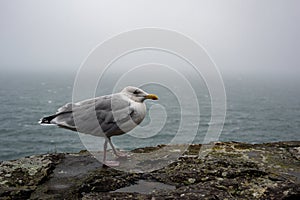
column 152, row 96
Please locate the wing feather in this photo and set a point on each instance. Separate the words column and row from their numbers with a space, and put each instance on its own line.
column 110, row 111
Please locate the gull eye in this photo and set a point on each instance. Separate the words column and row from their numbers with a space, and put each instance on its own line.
column 136, row 92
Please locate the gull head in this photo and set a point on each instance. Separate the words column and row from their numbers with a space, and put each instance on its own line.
column 137, row 94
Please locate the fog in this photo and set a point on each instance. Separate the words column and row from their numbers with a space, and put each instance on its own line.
column 242, row 37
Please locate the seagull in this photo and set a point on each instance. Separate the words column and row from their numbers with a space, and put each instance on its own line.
column 104, row 116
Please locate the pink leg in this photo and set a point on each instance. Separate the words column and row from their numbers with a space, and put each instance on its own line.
column 107, row 162
column 117, row 153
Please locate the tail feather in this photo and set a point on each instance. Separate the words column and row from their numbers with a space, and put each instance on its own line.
column 47, row 120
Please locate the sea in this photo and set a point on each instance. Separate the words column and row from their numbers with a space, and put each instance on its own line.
column 258, row 110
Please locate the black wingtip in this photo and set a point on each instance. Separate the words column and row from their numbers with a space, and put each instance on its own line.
column 47, row 120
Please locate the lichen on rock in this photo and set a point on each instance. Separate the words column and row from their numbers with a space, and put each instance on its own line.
column 228, row 170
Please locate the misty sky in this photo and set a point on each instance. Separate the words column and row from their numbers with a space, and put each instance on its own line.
column 244, row 36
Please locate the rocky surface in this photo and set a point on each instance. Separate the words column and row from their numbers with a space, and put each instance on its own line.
column 226, row 171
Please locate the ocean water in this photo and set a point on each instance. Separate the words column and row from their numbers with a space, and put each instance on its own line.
column 258, row 110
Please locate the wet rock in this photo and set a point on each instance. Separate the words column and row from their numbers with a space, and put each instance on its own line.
column 223, row 170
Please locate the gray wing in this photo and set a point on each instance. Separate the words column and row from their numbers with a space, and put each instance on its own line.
column 109, row 112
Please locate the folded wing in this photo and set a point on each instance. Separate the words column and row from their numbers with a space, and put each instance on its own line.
column 109, row 115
